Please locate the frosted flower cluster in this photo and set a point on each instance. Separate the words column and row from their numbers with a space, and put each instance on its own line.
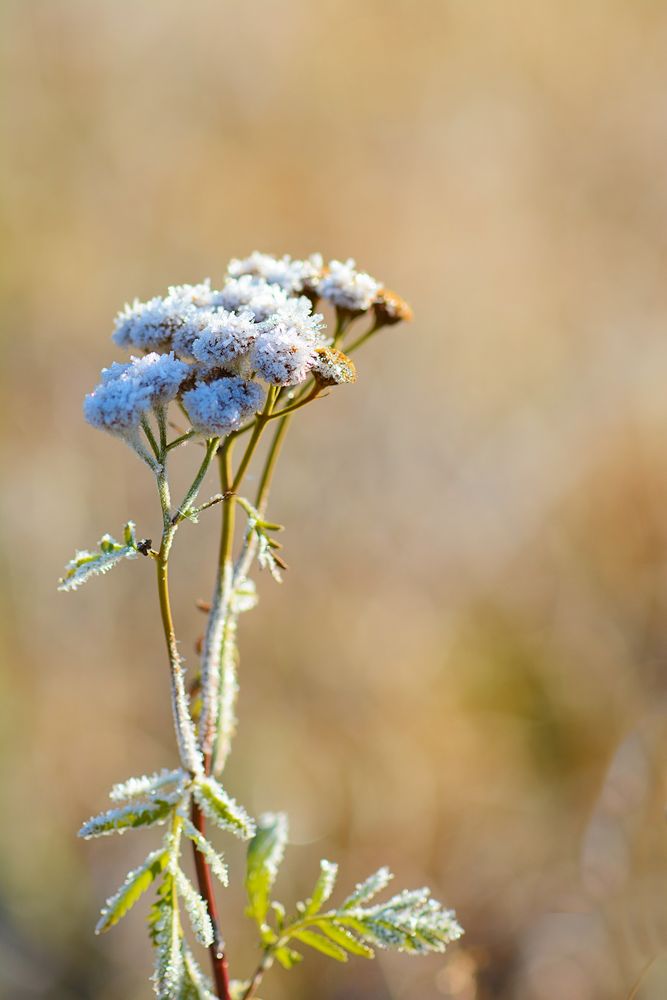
column 216, row 350
column 128, row 391
column 348, row 288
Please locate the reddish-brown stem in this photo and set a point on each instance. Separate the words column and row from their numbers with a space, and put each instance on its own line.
column 205, row 882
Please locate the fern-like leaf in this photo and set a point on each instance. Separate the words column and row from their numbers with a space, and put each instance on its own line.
column 87, row 564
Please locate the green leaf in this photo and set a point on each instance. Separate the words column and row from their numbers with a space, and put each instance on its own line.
column 196, row 909
column 287, row 957
column 323, row 887
column 128, row 817
column 133, row 887
column 86, row 564
column 368, row 888
column 319, row 943
column 196, row 985
column 147, row 784
column 222, row 809
column 166, row 935
column 345, row 939
column 205, row 848
column 265, row 853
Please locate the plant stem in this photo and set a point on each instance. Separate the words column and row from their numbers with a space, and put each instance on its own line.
column 257, row 977
column 211, row 652
column 254, row 440
column 270, row 464
column 377, row 325
column 182, row 511
column 185, row 734
column 205, row 883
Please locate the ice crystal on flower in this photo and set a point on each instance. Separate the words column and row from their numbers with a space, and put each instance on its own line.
column 292, row 275
column 347, row 288
column 282, row 357
column 147, row 325
column 225, row 337
column 219, row 407
column 255, row 294
column 128, row 391
column 285, row 352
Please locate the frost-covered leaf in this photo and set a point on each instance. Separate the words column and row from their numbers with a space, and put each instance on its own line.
column 206, row 848
column 133, row 887
column 244, row 597
column 86, row 564
column 166, row 935
column 196, row 909
column 196, row 985
column 411, row 921
column 320, row 943
column 145, row 785
column 129, row 817
column 221, row 808
column 368, row 888
column 265, row 853
column 323, row 887
column 266, row 557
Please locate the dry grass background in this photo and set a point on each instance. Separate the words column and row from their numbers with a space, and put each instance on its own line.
column 464, row 672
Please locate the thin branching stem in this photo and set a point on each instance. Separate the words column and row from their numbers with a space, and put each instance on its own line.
column 356, row 344
column 254, row 440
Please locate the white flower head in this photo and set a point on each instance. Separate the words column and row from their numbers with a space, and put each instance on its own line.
column 128, row 391
column 347, row 288
column 225, row 337
column 219, row 407
column 255, row 294
column 292, row 275
column 281, row 356
column 201, row 296
column 297, row 315
column 148, row 325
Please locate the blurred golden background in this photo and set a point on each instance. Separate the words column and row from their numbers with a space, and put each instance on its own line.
column 463, row 674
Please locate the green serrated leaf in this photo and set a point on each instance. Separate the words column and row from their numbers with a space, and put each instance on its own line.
column 196, row 909
column 319, row 943
column 130, row 534
column 128, row 817
column 287, row 957
column 135, row 884
column 345, row 939
column 265, row 853
column 222, row 809
column 323, row 887
column 204, row 846
column 368, row 888
column 166, row 935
